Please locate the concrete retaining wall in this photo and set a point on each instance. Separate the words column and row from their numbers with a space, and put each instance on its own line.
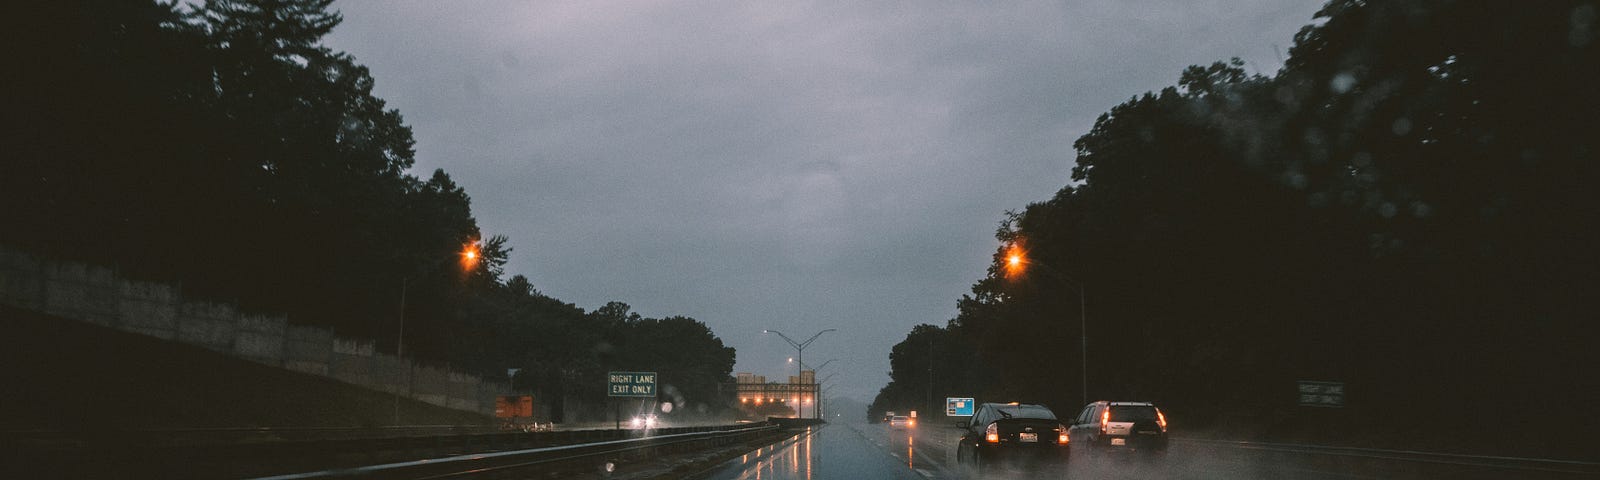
column 99, row 296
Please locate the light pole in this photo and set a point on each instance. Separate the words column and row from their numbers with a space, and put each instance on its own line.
column 1016, row 263
column 800, row 357
column 816, row 409
column 822, row 408
column 819, row 368
column 469, row 258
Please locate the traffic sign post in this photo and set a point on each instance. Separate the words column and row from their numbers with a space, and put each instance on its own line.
column 958, row 406
column 628, row 384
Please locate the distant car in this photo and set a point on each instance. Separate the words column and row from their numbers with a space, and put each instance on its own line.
column 644, row 422
column 1120, row 427
column 1012, row 435
column 902, row 422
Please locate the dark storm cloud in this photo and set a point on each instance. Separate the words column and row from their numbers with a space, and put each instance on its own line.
column 784, row 165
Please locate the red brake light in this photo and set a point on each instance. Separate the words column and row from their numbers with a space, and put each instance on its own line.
column 991, row 433
column 1162, row 419
column 1105, row 418
column 1061, row 434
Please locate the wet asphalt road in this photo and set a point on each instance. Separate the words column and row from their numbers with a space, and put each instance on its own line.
column 875, row 451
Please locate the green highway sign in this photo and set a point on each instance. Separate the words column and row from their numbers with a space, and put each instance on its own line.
column 1321, row 394
column 631, row 384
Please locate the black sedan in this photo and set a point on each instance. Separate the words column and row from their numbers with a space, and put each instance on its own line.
column 1012, row 436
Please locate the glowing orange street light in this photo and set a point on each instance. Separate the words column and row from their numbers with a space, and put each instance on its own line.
column 1016, row 261
column 469, row 256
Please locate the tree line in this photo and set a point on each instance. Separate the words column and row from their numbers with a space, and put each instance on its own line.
column 1408, row 206
column 220, row 146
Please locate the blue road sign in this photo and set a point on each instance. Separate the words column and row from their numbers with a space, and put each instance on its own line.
column 958, row 407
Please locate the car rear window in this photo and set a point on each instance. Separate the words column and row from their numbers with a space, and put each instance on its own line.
column 1029, row 411
column 1133, row 413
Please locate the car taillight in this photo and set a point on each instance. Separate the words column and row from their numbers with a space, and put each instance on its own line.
column 991, row 433
column 911, row 423
column 1061, row 434
column 1161, row 419
column 1105, row 419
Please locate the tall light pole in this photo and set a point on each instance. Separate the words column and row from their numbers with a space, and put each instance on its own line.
column 817, row 409
column 800, row 356
column 468, row 258
column 822, row 410
column 1017, row 262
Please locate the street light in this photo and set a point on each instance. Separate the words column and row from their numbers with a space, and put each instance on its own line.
column 825, row 379
column 1016, row 264
column 822, row 407
column 468, row 258
column 800, row 351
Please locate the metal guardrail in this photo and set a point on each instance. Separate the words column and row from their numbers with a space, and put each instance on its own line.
column 1491, row 461
column 226, row 435
column 496, row 462
column 221, row 453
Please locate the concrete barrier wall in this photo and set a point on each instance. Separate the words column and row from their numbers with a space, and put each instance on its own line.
column 99, row 296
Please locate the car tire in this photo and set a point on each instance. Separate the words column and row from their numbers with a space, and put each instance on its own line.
column 967, row 465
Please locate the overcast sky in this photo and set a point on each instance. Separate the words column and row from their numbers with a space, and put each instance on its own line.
column 787, row 165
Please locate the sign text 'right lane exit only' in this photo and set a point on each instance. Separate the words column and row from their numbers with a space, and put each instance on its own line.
column 631, row 384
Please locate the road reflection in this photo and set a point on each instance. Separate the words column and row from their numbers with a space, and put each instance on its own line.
column 911, row 452
column 828, row 452
column 790, row 458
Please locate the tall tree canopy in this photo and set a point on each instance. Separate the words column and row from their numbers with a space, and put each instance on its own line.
column 1407, row 207
column 223, row 147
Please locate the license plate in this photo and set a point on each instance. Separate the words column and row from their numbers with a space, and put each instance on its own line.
column 1028, row 437
column 1119, row 441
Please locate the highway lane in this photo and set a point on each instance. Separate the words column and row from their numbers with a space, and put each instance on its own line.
column 825, row 452
column 847, row 451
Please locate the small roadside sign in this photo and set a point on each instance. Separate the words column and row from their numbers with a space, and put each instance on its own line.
column 631, row 384
column 1321, row 394
column 958, row 406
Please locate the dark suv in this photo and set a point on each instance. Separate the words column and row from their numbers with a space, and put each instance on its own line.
column 1011, row 435
column 1120, row 427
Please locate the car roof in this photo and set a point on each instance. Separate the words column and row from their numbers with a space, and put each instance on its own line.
column 1013, row 404
column 1021, row 409
column 1124, row 403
